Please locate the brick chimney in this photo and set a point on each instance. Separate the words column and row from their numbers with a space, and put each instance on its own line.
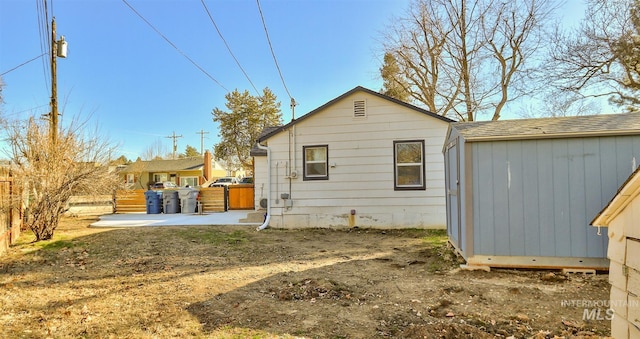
column 207, row 166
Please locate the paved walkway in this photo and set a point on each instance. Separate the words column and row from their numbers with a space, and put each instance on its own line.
column 143, row 219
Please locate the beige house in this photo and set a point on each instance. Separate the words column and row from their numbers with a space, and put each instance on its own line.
column 192, row 171
column 621, row 216
column 362, row 159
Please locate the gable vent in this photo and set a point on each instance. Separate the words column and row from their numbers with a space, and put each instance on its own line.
column 359, row 110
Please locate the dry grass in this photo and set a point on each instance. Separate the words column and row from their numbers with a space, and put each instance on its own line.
column 233, row 282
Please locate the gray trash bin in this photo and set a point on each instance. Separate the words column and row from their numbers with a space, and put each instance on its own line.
column 188, row 199
column 171, row 202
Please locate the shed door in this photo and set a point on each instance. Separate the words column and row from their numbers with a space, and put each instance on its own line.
column 452, row 178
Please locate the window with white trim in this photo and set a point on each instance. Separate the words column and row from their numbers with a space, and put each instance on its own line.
column 409, row 165
column 316, row 162
column 191, row 181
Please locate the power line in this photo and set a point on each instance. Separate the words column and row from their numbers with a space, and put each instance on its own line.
column 173, row 45
column 273, row 54
column 26, row 110
column 228, row 48
column 45, row 42
column 22, row 64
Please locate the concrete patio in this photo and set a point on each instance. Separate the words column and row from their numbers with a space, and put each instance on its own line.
column 191, row 219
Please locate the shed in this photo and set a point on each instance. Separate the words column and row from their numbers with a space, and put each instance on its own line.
column 362, row 159
column 521, row 193
column 621, row 217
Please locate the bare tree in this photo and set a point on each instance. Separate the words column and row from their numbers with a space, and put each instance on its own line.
column 601, row 58
column 156, row 151
column 559, row 104
column 76, row 164
column 463, row 58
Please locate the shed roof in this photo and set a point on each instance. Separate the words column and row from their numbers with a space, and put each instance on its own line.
column 556, row 127
column 277, row 130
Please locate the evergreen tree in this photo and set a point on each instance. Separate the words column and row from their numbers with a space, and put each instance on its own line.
column 242, row 124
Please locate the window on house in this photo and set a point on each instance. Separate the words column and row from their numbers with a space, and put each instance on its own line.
column 316, row 162
column 160, row 177
column 191, row 181
column 409, row 165
column 359, row 109
column 130, row 178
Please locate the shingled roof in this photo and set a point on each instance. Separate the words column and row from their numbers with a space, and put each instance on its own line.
column 183, row 164
column 255, row 151
column 557, row 127
column 265, row 136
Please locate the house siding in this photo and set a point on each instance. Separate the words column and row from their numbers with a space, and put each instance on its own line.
column 259, row 179
column 361, row 167
column 621, row 216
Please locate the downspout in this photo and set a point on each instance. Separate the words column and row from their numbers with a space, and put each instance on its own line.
column 265, row 224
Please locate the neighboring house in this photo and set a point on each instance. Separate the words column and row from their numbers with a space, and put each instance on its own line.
column 362, row 159
column 521, row 193
column 621, row 216
column 185, row 171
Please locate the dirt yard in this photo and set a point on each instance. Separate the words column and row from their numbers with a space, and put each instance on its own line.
column 234, row 282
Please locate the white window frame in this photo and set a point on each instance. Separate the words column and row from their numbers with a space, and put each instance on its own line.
column 397, row 165
column 193, row 179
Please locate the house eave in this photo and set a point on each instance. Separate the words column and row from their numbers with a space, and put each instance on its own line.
column 352, row 91
column 627, row 192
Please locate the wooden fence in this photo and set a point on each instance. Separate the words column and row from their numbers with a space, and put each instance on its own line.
column 241, row 197
column 129, row 201
column 10, row 210
column 212, row 199
column 89, row 205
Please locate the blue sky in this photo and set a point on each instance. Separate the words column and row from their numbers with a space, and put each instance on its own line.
column 123, row 76
column 126, row 78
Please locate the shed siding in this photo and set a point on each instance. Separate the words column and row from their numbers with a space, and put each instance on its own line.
column 541, row 194
column 360, row 154
column 530, row 190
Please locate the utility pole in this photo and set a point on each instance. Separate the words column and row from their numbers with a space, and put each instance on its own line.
column 202, row 133
column 58, row 49
column 175, row 142
column 293, row 109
